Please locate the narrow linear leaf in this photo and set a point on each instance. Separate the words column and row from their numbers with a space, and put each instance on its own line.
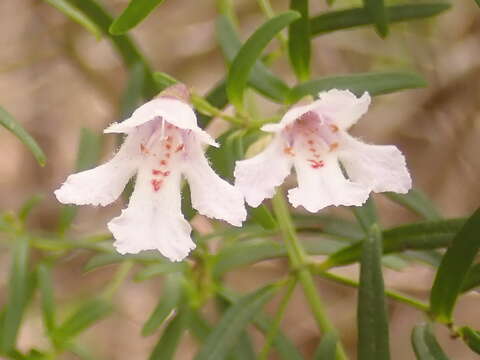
column 17, row 295
column 375, row 83
column 472, row 279
column 76, row 15
column 163, row 80
column 425, row 345
column 299, row 48
column 136, row 11
column 377, row 12
column 29, row 205
column 46, row 290
column 285, row 348
column 452, row 272
column 355, row 17
column 160, row 269
column 372, row 319
column 88, row 153
column 416, row 201
column 264, row 217
column 171, row 294
column 133, row 94
column 124, row 45
column 261, row 78
column 8, row 122
column 419, row 236
column 327, row 349
column 85, row 316
column 236, row 318
column 366, row 214
column 168, row 342
column 249, row 53
column 471, row 338
column 100, row 260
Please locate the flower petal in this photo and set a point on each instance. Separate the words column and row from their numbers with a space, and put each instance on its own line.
column 325, row 185
column 173, row 111
column 103, row 184
column 211, row 195
column 258, row 176
column 342, row 107
column 380, row 167
column 290, row 117
column 153, row 220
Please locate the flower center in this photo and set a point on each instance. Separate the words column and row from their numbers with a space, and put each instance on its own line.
column 315, row 136
column 162, row 148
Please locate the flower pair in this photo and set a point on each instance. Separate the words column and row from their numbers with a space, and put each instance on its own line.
column 163, row 143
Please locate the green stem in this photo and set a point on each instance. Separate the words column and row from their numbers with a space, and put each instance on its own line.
column 418, row 304
column 272, row 333
column 300, row 263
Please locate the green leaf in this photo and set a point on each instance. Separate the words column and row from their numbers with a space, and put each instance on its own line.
column 123, row 44
column 350, row 18
column 86, row 315
column 88, row 153
column 366, row 214
column 248, row 54
column 376, row 83
column 100, row 260
column 327, row 350
column 160, row 269
column 171, row 294
column 17, row 295
column 472, row 279
column 423, row 235
column 168, row 342
column 132, row 96
column 299, row 49
column 136, row 11
column 46, row 290
column 285, row 348
column 377, row 12
column 471, row 338
column 264, row 217
column 261, row 78
column 425, row 345
column 372, row 319
column 76, row 15
column 163, row 80
column 8, row 122
column 236, row 318
column 454, row 269
column 29, row 205
column 416, row 201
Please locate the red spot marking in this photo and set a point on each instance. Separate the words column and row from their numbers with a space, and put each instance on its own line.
column 169, row 139
column 316, row 156
column 163, row 162
column 316, row 163
column 289, row 151
column 166, row 173
column 180, row 148
column 168, row 146
column 310, row 142
column 143, row 149
column 156, row 172
column 333, row 127
column 312, row 149
column 333, row 146
column 156, row 184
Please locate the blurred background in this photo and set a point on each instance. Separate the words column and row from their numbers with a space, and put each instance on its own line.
column 56, row 78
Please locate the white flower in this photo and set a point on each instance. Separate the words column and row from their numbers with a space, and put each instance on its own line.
column 313, row 138
column 163, row 143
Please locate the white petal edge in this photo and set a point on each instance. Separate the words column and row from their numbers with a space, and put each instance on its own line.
column 211, row 195
column 380, row 167
column 257, row 177
column 289, row 118
column 173, row 111
column 153, row 221
column 324, row 186
column 342, row 106
column 104, row 184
